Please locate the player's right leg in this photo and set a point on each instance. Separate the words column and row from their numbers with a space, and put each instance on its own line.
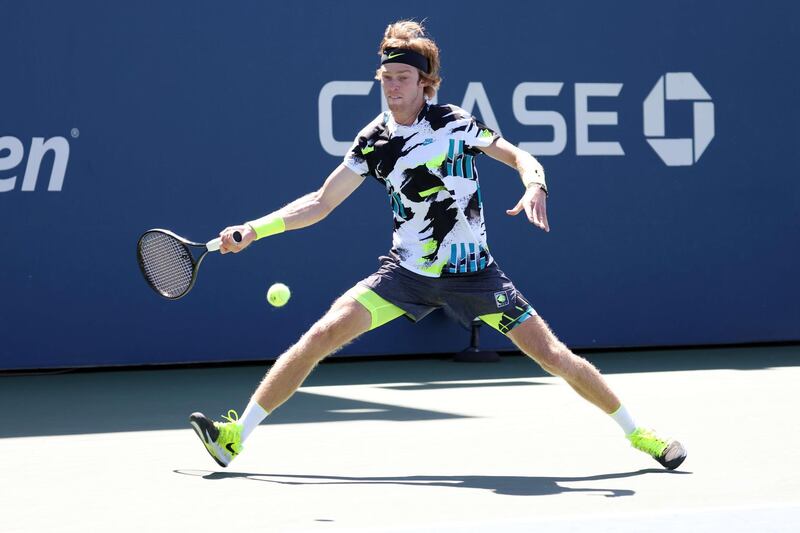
column 354, row 313
column 346, row 320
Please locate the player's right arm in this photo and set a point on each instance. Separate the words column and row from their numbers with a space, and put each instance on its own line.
column 304, row 211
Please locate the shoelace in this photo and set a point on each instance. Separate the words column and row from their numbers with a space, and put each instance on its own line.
column 648, row 442
column 229, row 433
column 232, row 416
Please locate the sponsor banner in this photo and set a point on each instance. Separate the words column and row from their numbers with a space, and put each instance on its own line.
column 667, row 134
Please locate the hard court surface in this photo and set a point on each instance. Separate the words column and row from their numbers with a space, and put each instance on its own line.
column 415, row 445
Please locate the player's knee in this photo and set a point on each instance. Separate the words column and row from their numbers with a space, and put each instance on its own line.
column 335, row 329
column 536, row 340
column 553, row 359
column 326, row 334
column 553, row 356
column 566, row 364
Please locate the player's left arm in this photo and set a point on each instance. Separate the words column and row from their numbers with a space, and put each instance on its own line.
column 534, row 200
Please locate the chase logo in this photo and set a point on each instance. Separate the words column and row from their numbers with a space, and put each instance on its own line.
column 671, row 87
column 678, row 151
column 501, row 298
column 12, row 153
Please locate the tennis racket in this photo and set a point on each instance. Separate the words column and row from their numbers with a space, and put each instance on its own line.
column 168, row 263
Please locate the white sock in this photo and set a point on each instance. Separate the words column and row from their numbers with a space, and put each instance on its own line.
column 622, row 417
column 253, row 415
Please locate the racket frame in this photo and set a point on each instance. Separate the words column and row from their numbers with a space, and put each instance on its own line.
column 211, row 246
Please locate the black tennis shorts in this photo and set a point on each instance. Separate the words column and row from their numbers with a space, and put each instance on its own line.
column 487, row 294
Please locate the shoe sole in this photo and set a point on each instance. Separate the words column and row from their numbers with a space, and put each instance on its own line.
column 194, row 420
column 677, row 452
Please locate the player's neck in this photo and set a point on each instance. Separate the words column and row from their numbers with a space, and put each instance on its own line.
column 408, row 119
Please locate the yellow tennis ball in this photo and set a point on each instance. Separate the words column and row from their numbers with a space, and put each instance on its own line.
column 278, row 294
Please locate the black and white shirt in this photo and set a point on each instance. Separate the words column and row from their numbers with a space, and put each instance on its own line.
column 428, row 169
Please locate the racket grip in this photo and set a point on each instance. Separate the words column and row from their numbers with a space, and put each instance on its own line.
column 214, row 244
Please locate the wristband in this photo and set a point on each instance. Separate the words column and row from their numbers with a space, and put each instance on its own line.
column 540, row 185
column 535, row 178
column 268, row 225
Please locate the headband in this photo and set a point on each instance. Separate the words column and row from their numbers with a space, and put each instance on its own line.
column 407, row 57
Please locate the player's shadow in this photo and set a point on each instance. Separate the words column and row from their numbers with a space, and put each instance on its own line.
column 506, row 485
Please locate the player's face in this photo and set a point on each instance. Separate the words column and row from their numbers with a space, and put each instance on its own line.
column 402, row 87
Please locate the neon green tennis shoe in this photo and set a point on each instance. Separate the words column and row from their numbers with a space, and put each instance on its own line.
column 670, row 453
column 223, row 440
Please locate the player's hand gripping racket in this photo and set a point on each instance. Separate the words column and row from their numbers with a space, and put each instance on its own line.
column 167, row 262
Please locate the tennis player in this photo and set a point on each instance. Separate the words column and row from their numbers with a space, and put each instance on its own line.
column 425, row 156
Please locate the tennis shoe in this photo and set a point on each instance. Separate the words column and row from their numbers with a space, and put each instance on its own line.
column 223, row 440
column 670, row 453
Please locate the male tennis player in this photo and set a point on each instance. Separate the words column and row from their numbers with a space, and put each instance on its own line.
column 424, row 155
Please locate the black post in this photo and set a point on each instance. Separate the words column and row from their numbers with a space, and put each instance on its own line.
column 474, row 354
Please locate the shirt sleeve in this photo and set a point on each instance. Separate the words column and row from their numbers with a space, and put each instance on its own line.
column 356, row 158
column 479, row 135
column 473, row 132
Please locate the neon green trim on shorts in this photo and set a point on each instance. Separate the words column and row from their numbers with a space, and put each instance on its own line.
column 504, row 323
column 381, row 310
column 493, row 320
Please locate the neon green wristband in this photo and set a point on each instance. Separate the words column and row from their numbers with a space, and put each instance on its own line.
column 268, row 225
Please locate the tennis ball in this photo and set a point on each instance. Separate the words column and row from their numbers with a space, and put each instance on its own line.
column 278, row 294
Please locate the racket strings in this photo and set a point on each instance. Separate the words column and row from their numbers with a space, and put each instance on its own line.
column 167, row 264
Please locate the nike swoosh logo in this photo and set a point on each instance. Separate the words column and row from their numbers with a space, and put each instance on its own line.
column 392, row 56
column 229, row 447
column 367, row 150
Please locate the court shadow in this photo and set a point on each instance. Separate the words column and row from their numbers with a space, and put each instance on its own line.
column 107, row 410
column 504, row 485
column 147, row 399
column 468, row 385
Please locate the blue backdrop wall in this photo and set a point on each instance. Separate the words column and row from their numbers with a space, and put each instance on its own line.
column 668, row 131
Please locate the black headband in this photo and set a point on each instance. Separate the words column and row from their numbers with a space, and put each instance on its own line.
column 407, row 57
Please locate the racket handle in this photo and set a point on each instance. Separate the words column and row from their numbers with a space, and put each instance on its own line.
column 214, row 244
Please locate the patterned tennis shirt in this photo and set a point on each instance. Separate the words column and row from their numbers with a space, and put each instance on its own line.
column 428, row 170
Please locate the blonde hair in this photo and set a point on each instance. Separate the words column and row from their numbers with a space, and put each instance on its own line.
column 410, row 34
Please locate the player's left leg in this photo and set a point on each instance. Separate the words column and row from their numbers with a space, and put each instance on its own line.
column 492, row 297
column 537, row 341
